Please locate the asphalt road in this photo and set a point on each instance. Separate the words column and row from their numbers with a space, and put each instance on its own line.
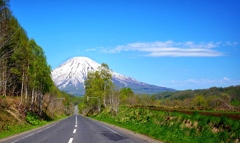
column 76, row 129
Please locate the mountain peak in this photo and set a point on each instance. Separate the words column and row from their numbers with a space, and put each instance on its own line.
column 71, row 75
column 81, row 59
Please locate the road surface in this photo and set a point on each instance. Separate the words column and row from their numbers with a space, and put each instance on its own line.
column 76, row 129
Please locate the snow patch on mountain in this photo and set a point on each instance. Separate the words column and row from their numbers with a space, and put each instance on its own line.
column 71, row 75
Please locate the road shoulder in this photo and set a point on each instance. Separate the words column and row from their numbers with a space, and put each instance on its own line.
column 141, row 136
column 32, row 130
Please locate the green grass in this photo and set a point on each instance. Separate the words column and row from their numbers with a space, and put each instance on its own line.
column 16, row 129
column 12, row 130
column 175, row 127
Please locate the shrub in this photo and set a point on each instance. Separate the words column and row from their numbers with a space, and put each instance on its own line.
column 32, row 118
column 223, row 136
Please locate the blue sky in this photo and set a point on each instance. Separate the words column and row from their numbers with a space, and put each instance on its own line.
column 182, row 44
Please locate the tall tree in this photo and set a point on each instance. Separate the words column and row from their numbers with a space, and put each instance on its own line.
column 107, row 83
column 5, row 36
column 99, row 84
column 21, row 60
column 125, row 95
column 5, row 16
column 23, row 66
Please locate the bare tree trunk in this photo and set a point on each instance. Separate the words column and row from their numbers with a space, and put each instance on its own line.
column 26, row 85
column 26, row 92
column 104, row 101
column 32, row 99
column 114, row 101
column 33, row 90
column 22, row 89
column 40, row 104
column 3, row 78
column 5, row 84
column 104, row 97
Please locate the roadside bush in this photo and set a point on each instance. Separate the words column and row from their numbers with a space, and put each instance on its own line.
column 32, row 118
column 223, row 136
column 214, row 120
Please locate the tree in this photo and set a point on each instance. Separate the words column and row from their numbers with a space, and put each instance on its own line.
column 114, row 101
column 21, row 60
column 24, row 70
column 5, row 36
column 106, row 85
column 5, row 16
column 99, row 84
column 200, row 101
column 125, row 95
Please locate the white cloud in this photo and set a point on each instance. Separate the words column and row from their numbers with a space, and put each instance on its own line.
column 172, row 49
column 201, row 83
column 90, row 50
column 226, row 79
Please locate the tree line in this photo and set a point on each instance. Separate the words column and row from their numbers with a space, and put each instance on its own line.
column 214, row 98
column 99, row 89
column 24, row 71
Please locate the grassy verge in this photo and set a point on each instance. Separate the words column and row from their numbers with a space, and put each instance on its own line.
column 175, row 127
column 26, row 126
column 231, row 114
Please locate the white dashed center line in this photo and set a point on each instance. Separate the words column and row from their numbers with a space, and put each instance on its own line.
column 70, row 140
column 74, row 131
column 76, row 119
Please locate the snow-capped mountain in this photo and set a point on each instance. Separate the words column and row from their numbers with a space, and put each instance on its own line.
column 71, row 75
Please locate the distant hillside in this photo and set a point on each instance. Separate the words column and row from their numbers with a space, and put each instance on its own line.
column 215, row 98
column 233, row 91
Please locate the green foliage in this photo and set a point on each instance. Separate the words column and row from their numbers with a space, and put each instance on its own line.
column 214, row 98
column 232, row 91
column 23, row 60
column 99, row 84
column 174, row 126
column 223, row 136
column 19, row 128
column 235, row 102
column 214, row 120
column 200, row 101
column 125, row 93
column 32, row 118
column 24, row 69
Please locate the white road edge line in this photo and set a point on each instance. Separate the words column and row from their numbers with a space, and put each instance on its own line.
column 70, row 140
column 39, row 131
column 33, row 133
column 107, row 128
column 23, row 137
column 48, row 127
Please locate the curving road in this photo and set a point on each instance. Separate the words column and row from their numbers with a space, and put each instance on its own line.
column 76, row 129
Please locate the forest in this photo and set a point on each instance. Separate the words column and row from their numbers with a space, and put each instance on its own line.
column 27, row 91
